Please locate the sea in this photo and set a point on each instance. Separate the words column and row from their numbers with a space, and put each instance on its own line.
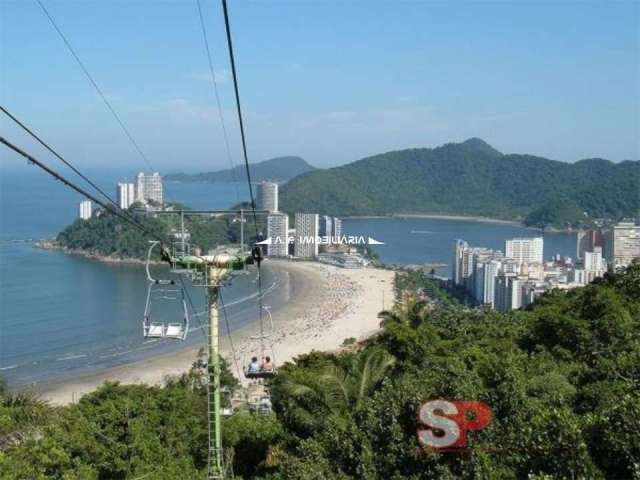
column 63, row 316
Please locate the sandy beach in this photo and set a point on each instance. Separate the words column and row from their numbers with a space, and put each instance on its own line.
column 436, row 216
column 326, row 305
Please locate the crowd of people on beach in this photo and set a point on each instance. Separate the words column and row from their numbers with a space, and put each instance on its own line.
column 339, row 293
column 336, row 297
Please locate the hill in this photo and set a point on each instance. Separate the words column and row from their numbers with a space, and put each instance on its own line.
column 107, row 236
column 474, row 179
column 279, row 169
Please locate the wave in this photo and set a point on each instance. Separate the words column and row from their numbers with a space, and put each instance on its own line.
column 71, row 357
column 9, row 367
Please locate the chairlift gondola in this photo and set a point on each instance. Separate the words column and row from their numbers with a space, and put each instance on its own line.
column 160, row 290
column 266, row 368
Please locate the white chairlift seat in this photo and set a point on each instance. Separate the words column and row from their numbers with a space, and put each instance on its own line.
column 155, row 330
column 261, row 405
column 175, row 330
column 163, row 291
column 158, row 329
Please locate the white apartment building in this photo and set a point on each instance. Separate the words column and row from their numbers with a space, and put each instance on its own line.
column 307, row 229
column 525, row 250
column 485, row 271
column 85, row 210
column 508, row 292
column 625, row 243
column 337, row 227
column 125, row 192
column 268, row 196
column 593, row 261
column 149, row 188
column 278, row 231
column 461, row 265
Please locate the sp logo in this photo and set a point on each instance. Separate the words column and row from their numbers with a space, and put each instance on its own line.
column 445, row 423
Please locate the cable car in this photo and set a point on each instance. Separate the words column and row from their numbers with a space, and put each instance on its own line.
column 163, row 291
column 226, row 409
column 259, row 399
column 259, row 371
column 267, row 367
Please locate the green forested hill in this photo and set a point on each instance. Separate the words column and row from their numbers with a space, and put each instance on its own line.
column 470, row 178
column 279, row 169
column 109, row 236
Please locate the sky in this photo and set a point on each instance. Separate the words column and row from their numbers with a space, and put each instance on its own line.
column 330, row 81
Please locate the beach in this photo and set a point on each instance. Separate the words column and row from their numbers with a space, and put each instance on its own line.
column 437, row 216
column 326, row 305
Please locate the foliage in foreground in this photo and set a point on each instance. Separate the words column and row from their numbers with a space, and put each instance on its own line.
column 562, row 379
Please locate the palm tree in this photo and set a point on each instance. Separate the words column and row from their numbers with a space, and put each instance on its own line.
column 25, row 414
column 337, row 389
column 410, row 314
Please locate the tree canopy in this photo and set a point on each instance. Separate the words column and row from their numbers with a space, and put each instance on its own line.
column 472, row 179
column 562, row 379
column 108, row 235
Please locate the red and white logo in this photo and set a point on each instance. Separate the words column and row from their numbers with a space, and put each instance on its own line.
column 445, row 423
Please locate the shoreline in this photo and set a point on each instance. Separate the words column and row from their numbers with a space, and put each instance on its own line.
column 327, row 305
column 435, row 216
column 52, row 245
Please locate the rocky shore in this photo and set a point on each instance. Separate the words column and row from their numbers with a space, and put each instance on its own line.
column 92, row 255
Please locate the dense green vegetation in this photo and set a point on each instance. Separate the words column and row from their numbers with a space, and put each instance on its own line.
column 473, row 179
column 562, row 379
column 420, row 284
column 108, row 235
column 279, row 169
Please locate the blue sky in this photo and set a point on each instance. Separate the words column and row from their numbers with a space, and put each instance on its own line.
column 329, row 81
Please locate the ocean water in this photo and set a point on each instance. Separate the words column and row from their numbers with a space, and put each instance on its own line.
column 424, row 240
column 63, row 315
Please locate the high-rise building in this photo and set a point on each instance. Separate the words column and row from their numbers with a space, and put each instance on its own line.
column 126, row 195
column 149, row 188
column 478, row 279
column 337, row 227
column 587, row 240
column 305, row 244
column 85, row 210
column 624, row 239
column 268, row 196
column 531, row 291
column 508, row 292
column 593, row 261
column 491, row 270
column 326, row 226
column 460, row 261
column 525, row 250
column 278, row 231
column 486, row 265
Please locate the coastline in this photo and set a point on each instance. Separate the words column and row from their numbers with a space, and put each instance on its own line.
column 435, row 216
column 54, row 246
column 327, row 304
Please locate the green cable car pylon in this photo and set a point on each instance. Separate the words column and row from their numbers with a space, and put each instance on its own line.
column 210, row 271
